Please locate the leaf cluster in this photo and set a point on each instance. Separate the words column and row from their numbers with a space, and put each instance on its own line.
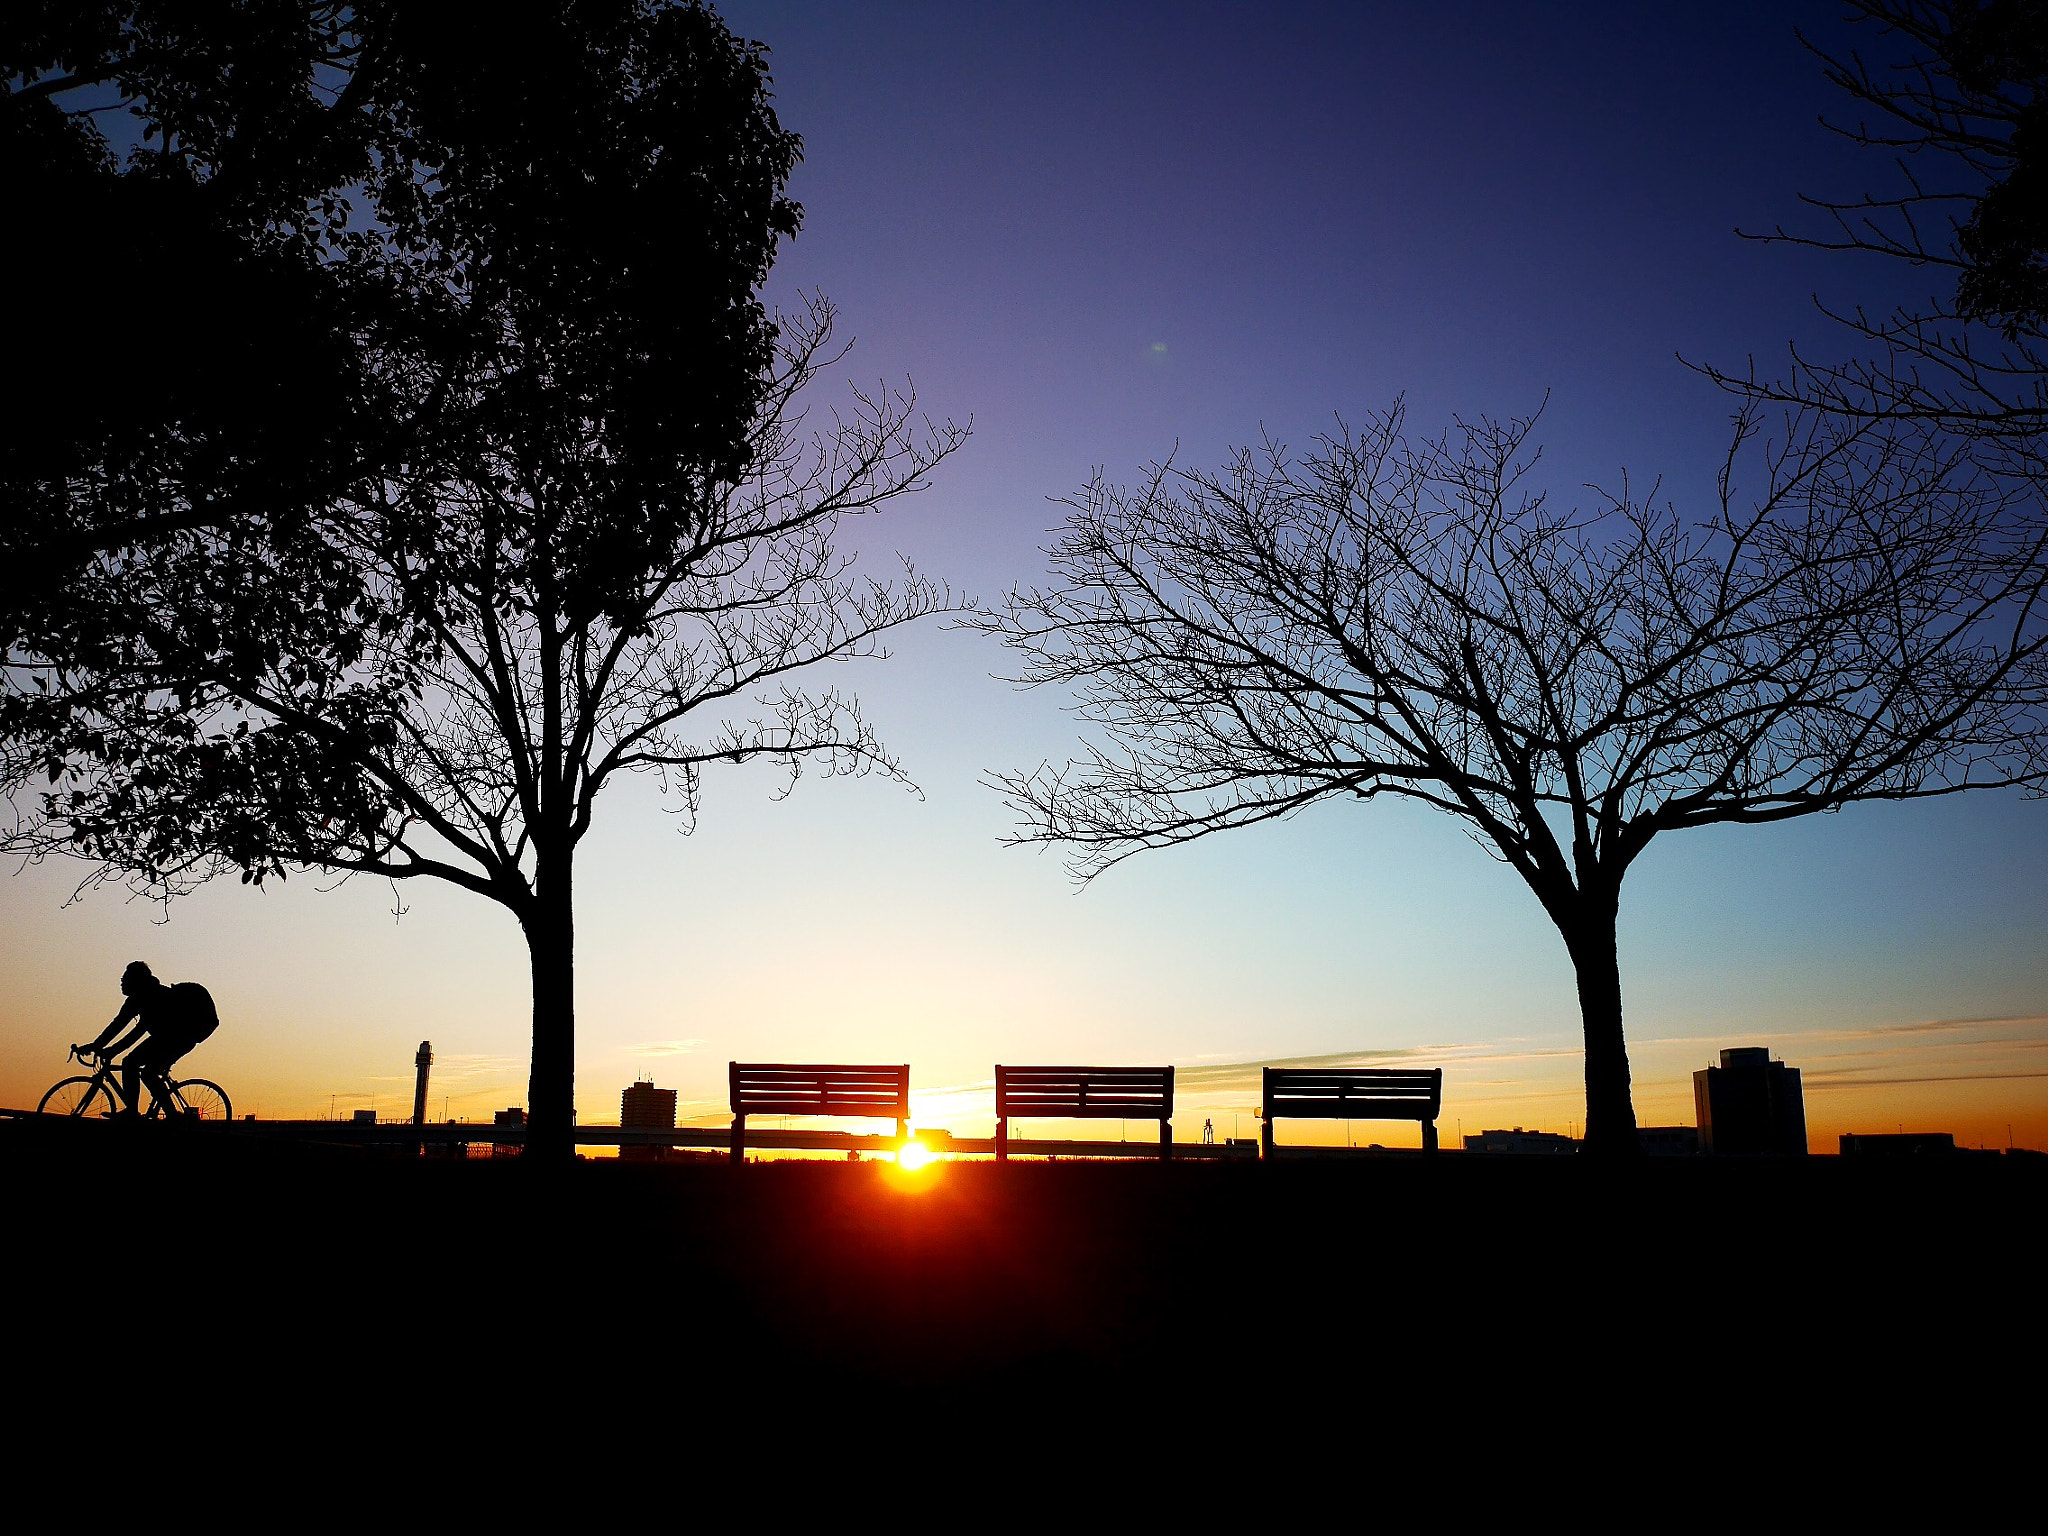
column 344, row 241
column 469, row 706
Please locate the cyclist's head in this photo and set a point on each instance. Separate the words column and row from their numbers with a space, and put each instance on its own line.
column 137, row 977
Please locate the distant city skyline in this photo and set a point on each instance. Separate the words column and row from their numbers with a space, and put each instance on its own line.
column 1111, row 236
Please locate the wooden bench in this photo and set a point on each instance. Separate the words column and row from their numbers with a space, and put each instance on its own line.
column 773, row 1088
column 1297, row 1094
column 1084, row 1093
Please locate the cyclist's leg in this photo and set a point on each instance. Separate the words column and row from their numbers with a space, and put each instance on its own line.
column 150, row 1062
column 161, row 1088
column 129, row 1081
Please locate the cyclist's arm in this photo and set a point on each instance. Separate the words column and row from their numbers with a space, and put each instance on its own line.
column 128, row 1013
column 125, row 1041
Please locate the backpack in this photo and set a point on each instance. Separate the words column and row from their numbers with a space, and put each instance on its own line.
column 194, row 1005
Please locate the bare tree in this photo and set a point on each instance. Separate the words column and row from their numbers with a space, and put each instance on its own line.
column 1380, row 618
column 1954, row 102
column 512, row 655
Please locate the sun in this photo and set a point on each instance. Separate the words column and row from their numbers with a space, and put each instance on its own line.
column 913, row 1155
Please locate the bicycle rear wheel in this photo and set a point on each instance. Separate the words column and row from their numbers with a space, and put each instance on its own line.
column 203, row 1100
column 86, row 1096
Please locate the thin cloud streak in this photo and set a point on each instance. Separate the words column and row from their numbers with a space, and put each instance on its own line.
column 1241, row 1079
column 1867, row 1032
column 1817, row 1080
column 460, row 1066
column 1245, row 1075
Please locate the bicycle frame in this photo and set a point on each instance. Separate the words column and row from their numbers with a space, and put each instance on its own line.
column 163, row 1093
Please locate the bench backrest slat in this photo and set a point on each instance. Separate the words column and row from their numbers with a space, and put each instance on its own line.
column 1365, row 1094
column 803, row 1088
column 1084, row 1093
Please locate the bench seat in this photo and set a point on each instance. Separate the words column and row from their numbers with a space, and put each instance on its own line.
column 817, row 1089
column 1084, row 1093
column 1366, row 1094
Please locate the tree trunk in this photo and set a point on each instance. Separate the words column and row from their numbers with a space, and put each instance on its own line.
column 551, row 929
column 551, row 946
column 1610, row 1111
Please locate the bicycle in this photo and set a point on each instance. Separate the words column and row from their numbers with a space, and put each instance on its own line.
column 96, row 1097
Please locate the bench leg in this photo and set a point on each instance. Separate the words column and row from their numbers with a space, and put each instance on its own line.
column 739, row 1140
column 1002, row 1141
column 1166, row 1141
column 1429, row 1135
column 1265, row 1138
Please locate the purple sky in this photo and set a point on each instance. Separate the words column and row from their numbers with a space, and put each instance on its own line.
column 1311, row 208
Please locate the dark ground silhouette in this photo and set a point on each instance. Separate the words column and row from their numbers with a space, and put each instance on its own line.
column 1463, row 1337
column 1399, row 1277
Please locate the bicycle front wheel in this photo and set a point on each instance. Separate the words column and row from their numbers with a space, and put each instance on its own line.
column 203, row 1100
column 86, row 1096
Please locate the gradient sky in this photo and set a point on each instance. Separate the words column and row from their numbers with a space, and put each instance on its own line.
column 1104, row 232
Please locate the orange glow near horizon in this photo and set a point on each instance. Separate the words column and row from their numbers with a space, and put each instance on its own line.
column 311, row 1029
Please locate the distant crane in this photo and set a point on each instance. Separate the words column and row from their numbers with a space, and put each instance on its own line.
column 421, row 1063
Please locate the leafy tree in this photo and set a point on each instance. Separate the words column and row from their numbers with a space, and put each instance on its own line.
column 592, row 531
column 1380, row 618
column 173, row 175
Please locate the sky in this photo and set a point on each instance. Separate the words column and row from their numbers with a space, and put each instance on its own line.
column 1107, row 234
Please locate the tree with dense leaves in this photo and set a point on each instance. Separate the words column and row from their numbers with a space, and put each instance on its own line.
column 1386, row 619
column 182, row 341
column 579, row 531
column 315, row 191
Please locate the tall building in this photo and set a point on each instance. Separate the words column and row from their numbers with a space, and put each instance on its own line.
column 1750, row 1103
column 646, row 1107
column 421, row 1062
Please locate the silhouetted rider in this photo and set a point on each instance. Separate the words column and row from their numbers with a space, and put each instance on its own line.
column 168, row 1021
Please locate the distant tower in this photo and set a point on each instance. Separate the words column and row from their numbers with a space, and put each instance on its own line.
column 1750, row 1103
column 646, row 1107
column 1209, row 1133
column 421, row 1062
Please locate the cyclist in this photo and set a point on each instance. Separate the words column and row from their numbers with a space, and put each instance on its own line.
column 167, row 1021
